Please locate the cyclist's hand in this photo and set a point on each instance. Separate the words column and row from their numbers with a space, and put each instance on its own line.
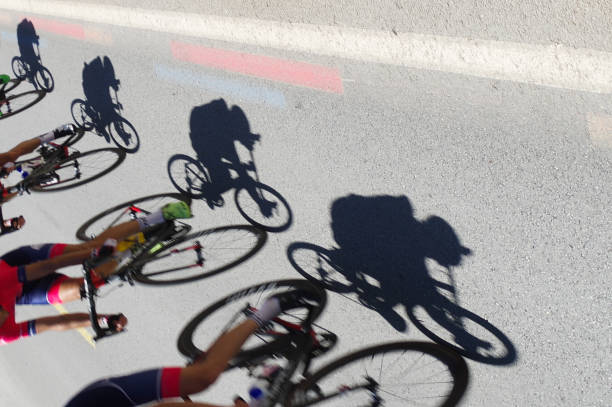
column 7, row 169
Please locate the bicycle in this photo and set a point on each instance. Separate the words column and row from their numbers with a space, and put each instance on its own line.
column 15, row 103
column 258, row 203
column 169, row 254
column 115, row 126
column 292, row 340
column 440, row 319
column 60, row 166
column 33, row 71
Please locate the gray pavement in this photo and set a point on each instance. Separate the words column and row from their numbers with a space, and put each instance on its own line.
column 520, row 173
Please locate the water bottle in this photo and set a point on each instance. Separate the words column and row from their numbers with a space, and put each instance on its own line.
column 258, row 392
column 22, row 171
column 259, row 389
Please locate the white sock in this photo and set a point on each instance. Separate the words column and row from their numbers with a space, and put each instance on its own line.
column 47, row 137
column 151, row 219
column 270, row 309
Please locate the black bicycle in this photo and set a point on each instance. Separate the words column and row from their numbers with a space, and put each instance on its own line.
column 444, row 321
column 170, row 253
column 58, row 167
column 11, row 104
column 258, row 203
column 390, row 374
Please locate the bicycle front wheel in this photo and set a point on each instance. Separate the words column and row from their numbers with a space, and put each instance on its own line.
column 321, row 266
column 232, row 310
column 80, row 114
column 125, row 212
column 79, row 168
column 263, row 206
column 19, row 68
column 124, row 135
column 14, row 104
column 397, row 374
column 201, row 254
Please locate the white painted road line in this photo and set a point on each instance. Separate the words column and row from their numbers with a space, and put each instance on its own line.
column 549, row 65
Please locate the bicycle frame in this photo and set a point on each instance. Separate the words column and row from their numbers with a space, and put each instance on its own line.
column 298, row 347
column 51, row 154
column 126, row 272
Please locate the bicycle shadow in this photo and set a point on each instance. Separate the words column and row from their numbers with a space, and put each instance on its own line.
column 223, row 142
column 100, row 111
column 28, row 66
column 387, row 260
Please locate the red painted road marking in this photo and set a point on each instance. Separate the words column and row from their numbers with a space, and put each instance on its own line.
column 67, row 29
column 281, row 70
column 72, row 30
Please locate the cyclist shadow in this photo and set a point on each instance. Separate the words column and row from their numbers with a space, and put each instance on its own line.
column 101, row 109
column 224, row 144
column 28, row 66
column 388, row 260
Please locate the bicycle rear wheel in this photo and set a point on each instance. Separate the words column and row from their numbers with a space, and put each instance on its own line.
column 397, row 374
column 268, row 210
column 228, row 312
column 201, row 254
column 14, row 104
column 10, row 85
column 124, row 135
column 125, row 212
column 80, row 168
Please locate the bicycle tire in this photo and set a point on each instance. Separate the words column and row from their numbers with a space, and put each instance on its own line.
column 19, row 70
column 316, row 264
column 44, row 79
column 80, row 115
column 191, row 166
column 115, row 158
column 116, row 130
column 191, row 345
column 89, row 229
column 252, row 212
column 73, row 139
column 32, row 97
column 10, row 85
column 506, row 357
column 162, row 269
column 429, row 353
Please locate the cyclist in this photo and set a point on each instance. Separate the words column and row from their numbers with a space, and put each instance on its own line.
column 28, row 276
column 215, row 130
column 172, row 382
column 7, row 159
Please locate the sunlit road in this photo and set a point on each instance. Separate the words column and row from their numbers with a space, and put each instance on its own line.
column 386, row 140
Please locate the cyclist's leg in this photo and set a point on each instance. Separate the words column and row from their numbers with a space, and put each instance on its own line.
column 203, row 373
column 200, row 375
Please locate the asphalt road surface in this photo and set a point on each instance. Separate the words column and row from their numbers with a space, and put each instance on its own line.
column 403, row 138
